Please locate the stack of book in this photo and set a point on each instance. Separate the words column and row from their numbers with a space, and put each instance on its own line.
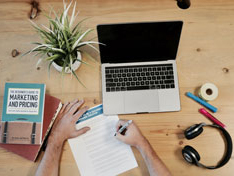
column 27, row 117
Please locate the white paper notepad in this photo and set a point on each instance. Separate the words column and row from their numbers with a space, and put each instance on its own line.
column 98, row 152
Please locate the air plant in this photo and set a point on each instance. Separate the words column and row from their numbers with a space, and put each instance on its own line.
column 62, row 39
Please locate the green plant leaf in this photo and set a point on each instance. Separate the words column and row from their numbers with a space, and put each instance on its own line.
column 81, row 37
column 77, row 25
column 90, row 57
column 52, row 58
column 36, row 43
column 51, row 32
column 71, row 61
column 65, row 13
column 93, row 47
column 83, row 62
column 66, row 41
column 41, row 57
column 73, row 17
column 49, row 66
column 59, row 50
column 25, row 54
column 89, row 42
column 87, row 45
column 77, row 78
column 41, row 31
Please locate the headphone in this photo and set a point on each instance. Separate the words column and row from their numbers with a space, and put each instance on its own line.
column 192, row 156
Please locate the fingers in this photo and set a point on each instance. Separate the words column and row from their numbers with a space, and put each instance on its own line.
column 64, row 107
column 79, row 113
column 70, row 105
column 76, row 106
column 120, row 123
column 121, row 137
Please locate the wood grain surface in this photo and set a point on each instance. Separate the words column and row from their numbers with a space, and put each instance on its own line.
column 206, row 54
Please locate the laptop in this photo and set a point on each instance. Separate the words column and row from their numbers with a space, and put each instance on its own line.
column 138, row 63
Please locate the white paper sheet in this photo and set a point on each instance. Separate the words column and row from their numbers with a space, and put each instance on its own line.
column 98, row 152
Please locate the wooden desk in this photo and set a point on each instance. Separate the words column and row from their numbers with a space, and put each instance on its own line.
column 205, row 55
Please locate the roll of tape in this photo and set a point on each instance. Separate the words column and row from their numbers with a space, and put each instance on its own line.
column 208, row 92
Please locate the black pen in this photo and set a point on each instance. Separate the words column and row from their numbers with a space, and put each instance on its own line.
column 124, row 127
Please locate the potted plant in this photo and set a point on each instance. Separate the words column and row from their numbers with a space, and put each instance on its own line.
column 62, row 41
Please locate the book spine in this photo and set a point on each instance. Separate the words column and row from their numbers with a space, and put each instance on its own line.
column 44, row 142
column 4, row 138
column 50, row 126
column 33, row 135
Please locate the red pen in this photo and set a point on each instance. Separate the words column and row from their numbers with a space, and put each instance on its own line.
column 212, row 118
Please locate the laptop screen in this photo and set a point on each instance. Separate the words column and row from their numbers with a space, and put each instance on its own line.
column 139, row 42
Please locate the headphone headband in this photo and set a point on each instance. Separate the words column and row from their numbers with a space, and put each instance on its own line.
column 192, row 156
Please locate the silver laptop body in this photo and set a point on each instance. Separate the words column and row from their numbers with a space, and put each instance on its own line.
column 139, row 73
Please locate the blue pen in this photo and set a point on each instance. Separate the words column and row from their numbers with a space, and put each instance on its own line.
column 202, row 102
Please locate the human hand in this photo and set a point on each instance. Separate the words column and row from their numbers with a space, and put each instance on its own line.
column 65, row 124
column 132, row 136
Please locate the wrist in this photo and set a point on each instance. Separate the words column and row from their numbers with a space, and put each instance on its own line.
column 55, row 140
column 142, row 143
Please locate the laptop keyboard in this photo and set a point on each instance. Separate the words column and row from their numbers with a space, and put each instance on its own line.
column 144, row 77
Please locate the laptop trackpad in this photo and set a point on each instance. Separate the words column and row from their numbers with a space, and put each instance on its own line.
column 143, row 101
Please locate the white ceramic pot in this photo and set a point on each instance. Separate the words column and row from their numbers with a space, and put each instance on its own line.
column 74, row 66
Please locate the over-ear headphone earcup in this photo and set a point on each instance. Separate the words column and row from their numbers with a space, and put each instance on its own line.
column 190, row 154
column 193, row 131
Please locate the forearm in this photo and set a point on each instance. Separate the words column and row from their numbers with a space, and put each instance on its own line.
column 153, row 162
column 50, row 162
column 64, row 128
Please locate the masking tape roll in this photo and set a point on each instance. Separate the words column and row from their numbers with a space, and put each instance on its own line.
column 208, row 92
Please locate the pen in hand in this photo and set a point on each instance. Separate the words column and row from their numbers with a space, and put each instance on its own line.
column 124, row 127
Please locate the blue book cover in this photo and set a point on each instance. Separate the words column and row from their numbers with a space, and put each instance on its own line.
column 22, row 114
